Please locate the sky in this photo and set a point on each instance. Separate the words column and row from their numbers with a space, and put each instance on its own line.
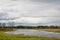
column 30, row 12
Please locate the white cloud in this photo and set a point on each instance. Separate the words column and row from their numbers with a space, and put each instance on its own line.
column 31, row 11
column 27, row 8
column 28, row 20
column 38, row 20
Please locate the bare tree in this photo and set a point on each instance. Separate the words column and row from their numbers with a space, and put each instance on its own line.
column 0, row 24
column 11, row 24
column 4, row 24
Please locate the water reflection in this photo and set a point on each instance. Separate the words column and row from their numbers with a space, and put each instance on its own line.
column 35, row 33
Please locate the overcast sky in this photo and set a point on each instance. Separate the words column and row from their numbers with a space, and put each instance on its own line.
column 30, row 12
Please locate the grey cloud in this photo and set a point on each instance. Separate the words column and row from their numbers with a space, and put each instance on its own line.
column 48, row 10
column 34, row 8
column 45, row 1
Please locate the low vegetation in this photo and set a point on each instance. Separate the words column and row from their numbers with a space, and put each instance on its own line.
column 4, row 36
column 51, row 30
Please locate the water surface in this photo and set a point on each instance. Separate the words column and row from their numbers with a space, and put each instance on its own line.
column 32, row 32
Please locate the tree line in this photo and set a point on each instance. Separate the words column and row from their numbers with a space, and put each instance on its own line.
column 11, row 25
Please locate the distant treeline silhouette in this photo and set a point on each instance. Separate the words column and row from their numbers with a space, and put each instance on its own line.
column 11, row 25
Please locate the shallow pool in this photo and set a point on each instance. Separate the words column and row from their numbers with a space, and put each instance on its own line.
column 35, row 33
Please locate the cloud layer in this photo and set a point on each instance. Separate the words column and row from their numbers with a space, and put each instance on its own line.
column 30, row 12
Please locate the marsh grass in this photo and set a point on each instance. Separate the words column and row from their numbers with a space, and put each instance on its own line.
column 51, row 30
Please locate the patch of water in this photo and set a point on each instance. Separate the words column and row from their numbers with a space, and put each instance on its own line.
column 35, row 33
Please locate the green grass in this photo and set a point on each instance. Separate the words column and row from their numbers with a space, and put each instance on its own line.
column 22, row 37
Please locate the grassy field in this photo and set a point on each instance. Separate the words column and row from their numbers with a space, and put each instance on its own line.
column 4, row 36
column 51, row 30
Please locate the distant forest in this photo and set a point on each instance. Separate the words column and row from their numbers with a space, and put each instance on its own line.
column 11, row 25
